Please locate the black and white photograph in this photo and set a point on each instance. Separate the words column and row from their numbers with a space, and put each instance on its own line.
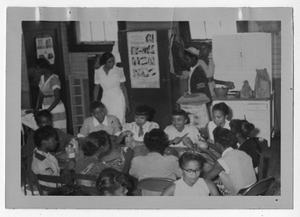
column 206, row 118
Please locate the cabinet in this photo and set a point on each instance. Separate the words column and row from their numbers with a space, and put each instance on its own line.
column 237, row 56
column 257, row 112
column 77, row 102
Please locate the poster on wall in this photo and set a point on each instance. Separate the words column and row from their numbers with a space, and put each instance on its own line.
column 143, row 59
column 44, row 48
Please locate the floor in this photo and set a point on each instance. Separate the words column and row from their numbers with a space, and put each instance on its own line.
column 274, row 168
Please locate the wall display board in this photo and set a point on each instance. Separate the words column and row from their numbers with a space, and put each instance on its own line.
column 44, row 48
column 143, row 59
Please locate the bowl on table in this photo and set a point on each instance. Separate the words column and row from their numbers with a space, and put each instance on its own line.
column 221, row 91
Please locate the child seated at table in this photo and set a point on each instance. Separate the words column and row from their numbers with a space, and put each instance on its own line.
column 242, row 130
column 234, row 168
column 181, row 134
column 155, row 163
column 112, row 182
column 100, row 120
column 191, row 164
column 45, row 139
column 43, row 118
column 136, row 130
column 99, row 153
column 220, row 113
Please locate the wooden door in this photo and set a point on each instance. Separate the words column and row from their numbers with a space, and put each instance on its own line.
column 31, row 30
column 160, row 98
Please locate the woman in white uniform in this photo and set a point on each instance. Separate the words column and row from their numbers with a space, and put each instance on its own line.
column 112, row 80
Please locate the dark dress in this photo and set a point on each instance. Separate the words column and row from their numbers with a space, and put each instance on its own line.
column 250, row 147
column 199, row 76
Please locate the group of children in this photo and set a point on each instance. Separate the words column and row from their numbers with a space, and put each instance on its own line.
column 108, row 151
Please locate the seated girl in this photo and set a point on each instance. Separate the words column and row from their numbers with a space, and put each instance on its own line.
column 136, row 130
column 242, row 130
column 112, row 183
column 181, row 134
column 155, row 163
column 234, row 168
column 220, row 113
column 99, row 153
column 191, row 164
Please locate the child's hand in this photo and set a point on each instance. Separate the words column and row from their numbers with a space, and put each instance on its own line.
column 129, row 142
column 128, row 153
column 187, row 142
column 128, row 133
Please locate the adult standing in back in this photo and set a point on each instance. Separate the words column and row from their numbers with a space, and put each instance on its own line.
column 112, row 80
column 49, row 95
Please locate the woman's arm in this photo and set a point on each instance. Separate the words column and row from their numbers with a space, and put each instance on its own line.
column 96, row 91
column 228, row 84
column 56, row 100
column 39, row 101
column 169, row 191
column 216, row 170
column 124, row 90
column 212, row 188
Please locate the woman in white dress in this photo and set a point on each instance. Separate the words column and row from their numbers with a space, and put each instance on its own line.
column 112, row 80
column 49, row 95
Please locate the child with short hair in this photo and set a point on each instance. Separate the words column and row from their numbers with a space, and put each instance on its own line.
column 112, row 183
column 43, row 162
column 100, row 120
column 234, row 167
column 155, row 163
column 191, row 164
column 220, row 112
column 135, row 131
column 180, row 133
column 44, row 118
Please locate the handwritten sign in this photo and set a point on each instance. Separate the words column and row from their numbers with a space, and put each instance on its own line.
column 143, row 59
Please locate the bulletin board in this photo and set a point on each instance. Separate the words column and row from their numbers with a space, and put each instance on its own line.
column 143, row 59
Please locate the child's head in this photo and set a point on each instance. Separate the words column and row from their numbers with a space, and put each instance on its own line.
column 112, row 183
column 45, row 138
column 224, row 138
column 98, row 110
column 142, row 113
column 220, row 112
column 179, row 119
column 156, row 141
column 97, row 141
column 242, row 128
column 43, row 118
column 191, row 164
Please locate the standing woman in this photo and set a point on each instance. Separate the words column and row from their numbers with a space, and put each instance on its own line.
column 49, row 95
column 112, row 80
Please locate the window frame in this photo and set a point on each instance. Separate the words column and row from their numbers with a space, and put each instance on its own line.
column 74, row 46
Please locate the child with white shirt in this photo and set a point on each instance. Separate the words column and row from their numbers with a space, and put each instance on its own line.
column 135, row 131
column 100, row 120
column 180, row 133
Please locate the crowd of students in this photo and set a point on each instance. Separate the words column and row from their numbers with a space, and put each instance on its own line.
column 121, row 154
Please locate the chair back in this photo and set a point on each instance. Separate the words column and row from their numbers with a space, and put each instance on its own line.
column 154, row 184
column 259, row 188
column 56, row 180
column 86, row 183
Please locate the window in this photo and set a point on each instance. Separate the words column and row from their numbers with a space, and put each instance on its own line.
column 97, row 32
column 93, row 36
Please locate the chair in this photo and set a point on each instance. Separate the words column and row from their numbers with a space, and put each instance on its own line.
column 44, row 190
column 259, row 188
column 25, row 179
column 154, row 184
column 83, row 180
